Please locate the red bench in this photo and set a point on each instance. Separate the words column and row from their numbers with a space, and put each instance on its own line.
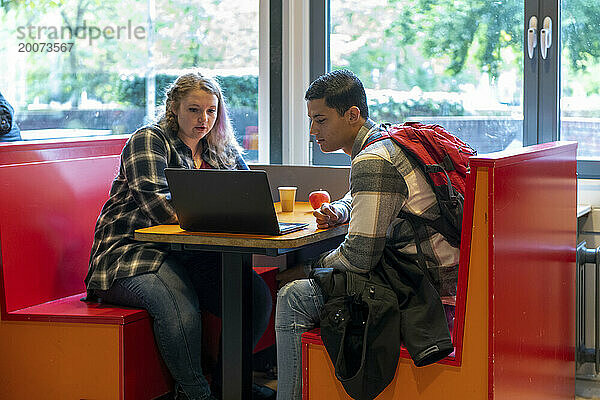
column 53, row 345
column 514, row 330
column 60, row 149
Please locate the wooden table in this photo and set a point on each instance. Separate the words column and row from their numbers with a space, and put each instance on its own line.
column 237, row 250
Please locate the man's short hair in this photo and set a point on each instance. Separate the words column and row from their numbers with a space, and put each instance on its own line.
column 341, row 90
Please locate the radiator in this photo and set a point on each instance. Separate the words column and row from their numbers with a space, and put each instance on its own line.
column 587, row 355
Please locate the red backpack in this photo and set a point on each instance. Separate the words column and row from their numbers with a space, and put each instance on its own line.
column 444, row 159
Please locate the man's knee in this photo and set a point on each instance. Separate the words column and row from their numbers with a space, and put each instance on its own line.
column 295, row 294
column 296, row 305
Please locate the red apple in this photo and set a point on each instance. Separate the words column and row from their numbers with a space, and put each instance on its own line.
column 318, row 197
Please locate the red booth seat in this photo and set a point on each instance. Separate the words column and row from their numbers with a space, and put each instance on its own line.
column 514, row 331
column 53, row 345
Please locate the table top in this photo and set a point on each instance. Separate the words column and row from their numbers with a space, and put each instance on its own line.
column 302, row 213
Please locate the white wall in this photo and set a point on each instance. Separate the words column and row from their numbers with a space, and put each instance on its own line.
column 588, row 192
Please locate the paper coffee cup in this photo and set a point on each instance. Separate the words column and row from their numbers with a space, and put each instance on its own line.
column 287, row 197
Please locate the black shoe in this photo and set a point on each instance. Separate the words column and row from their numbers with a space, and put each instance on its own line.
column 180, row 395
column 260, row 392
column 217, row 391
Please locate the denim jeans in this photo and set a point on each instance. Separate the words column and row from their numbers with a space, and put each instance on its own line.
column 174, row 296
column 299, row 305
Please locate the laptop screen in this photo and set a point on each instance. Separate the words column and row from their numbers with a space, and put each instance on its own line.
column 232, row 201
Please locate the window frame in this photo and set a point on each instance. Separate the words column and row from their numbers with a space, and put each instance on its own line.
column 541, row 81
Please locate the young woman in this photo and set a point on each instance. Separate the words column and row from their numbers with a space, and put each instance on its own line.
column 193, row 132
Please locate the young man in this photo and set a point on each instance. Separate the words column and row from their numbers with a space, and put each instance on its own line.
column 383, row 181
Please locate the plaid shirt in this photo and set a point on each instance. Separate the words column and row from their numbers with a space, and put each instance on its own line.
column 384, row 181
column 139, row 198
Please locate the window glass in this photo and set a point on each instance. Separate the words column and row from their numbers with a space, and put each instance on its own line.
column 580, row 72
column 90, row 67
column 457, row 64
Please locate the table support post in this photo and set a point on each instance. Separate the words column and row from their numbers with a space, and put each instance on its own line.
column 237, row 325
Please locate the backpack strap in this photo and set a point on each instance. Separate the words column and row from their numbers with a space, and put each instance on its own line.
column 376, row 136
column 440, row 225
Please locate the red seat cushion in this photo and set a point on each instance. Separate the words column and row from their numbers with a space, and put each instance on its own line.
column 72, row 309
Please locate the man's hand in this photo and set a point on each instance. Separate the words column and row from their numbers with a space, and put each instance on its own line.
column 326, row 216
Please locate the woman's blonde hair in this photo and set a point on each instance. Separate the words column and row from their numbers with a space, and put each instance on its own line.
column 223, row 148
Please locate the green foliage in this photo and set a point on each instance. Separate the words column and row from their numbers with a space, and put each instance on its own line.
column 580, row 20
column 455, row 28
column 239, row 91
column 131, row 89
column 398, row 111
column 100, row 86
column 438, row 45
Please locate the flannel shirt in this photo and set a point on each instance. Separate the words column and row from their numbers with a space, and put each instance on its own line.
column 139, row 198
column 383, row 180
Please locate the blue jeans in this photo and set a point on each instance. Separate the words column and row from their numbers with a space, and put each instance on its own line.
column 299, row 305
column 174, row 296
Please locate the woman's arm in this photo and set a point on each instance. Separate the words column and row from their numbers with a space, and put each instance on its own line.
column 143, row 161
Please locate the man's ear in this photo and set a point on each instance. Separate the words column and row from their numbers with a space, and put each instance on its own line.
column 353, row 114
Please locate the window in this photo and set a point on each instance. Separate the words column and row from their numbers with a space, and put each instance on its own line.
column 580, row 82
column 467, row 69
column 436, row 63
column 81, row 68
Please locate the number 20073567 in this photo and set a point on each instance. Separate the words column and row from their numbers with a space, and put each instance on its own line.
column 45, row 47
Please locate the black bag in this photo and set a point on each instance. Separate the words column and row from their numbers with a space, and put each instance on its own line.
column 9, row 131
column 366, row 317
column 360, row 327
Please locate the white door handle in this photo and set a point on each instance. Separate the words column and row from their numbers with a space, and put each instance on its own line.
column 546, row 37
column 532, row 36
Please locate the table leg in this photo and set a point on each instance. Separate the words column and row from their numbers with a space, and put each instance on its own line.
column 237, row 326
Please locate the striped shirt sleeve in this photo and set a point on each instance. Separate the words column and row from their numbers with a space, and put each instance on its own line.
column 343, row 206
column 378, row 192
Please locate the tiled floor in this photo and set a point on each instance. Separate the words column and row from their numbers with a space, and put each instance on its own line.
column 587, row 389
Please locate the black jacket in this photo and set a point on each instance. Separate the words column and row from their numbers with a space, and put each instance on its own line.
column 9, row 131
column 367, row 317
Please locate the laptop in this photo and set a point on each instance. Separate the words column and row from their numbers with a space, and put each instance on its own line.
column 230, row 201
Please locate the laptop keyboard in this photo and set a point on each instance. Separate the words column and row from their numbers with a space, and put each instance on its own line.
column 287, row 226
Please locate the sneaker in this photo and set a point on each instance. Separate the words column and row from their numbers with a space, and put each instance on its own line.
column 260, row 392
